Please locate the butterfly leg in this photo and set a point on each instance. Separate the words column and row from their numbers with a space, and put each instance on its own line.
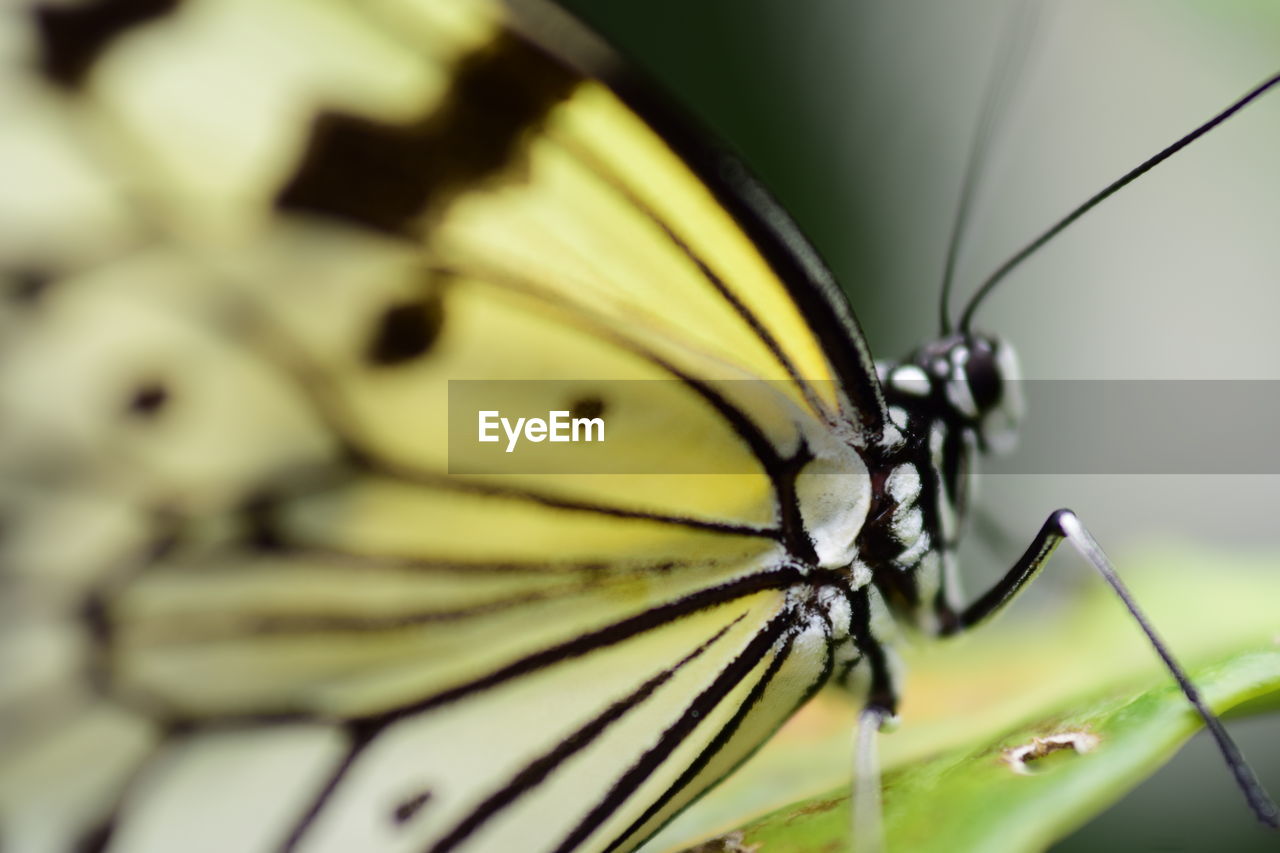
column 868, row 829
column 879, row 713
column 1066, row 525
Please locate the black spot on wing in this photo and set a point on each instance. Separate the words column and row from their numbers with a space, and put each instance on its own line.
column 72, row 36
column 96, row 620
column 406, row 810
column 261, row 523
column 148, row 399
column 586, row 407
column 405, row 331
column 27, row 286
column 385, row 176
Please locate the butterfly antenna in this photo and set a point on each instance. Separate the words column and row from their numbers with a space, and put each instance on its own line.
column 966, row 319
column 1015, row 44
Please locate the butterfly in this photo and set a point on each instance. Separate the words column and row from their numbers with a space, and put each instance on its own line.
column 258, row 258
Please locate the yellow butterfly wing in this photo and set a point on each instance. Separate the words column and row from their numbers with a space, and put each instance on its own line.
column 258, row 255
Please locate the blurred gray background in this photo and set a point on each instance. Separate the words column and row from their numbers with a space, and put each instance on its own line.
column 858, row 116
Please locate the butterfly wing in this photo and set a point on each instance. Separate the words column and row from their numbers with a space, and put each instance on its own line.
column 252, row 245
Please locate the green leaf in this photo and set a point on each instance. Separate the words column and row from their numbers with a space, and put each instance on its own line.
column 973, row 799
column 1079, row 673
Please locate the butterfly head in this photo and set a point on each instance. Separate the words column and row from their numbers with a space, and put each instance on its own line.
column 975, row 382
column 952, row 400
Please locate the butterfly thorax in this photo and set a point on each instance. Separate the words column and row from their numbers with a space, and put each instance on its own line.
column 950, row 401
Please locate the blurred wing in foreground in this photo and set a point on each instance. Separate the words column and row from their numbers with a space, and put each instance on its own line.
column 245, row 604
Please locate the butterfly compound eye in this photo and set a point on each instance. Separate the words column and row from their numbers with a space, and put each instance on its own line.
column 994, row 381
column 983, row 375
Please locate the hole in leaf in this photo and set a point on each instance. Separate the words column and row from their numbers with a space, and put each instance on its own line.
column 1019, row 758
